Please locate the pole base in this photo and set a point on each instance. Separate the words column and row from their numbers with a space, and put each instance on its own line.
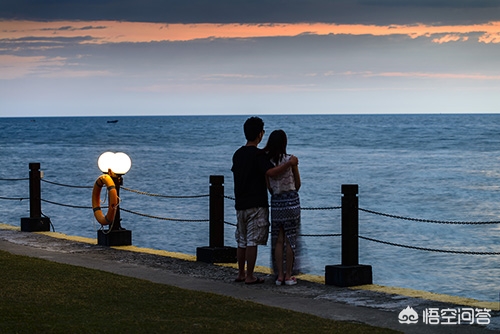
column 114, row 238
column 41, row 224
column 216, row 254
column 345, row 276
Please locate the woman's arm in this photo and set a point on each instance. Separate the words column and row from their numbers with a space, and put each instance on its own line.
column 296, row 177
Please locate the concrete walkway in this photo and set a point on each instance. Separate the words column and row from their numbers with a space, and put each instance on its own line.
column 368, row 305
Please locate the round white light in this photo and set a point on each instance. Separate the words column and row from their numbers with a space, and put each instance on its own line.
column 119, row 163
column 122, row 163
column 105, row 161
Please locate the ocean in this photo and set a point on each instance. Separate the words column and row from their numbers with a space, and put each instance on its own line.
column 435, row 168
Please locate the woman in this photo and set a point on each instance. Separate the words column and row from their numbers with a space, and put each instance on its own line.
column 285, row 211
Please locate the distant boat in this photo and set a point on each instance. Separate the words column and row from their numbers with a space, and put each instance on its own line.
column 113, row 121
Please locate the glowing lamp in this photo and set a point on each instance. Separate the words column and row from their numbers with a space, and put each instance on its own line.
column 119, row 163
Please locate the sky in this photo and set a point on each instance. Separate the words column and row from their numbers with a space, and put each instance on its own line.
column 218, row 57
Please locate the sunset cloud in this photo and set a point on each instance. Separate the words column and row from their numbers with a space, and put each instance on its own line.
column 102, row 32
column 450, row 38
column 490, row 38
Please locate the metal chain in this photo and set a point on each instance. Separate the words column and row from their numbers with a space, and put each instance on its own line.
column 430, row 220
column 19, row 179
column 429, row 249
column 169, row 219
column 14, row 198
column 321, row 235
column 158, row 195
column 324, row 208
column 66, row 185
column 66, row 205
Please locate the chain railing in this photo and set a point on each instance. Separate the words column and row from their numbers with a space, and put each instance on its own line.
column 126, row 210
column 145, row 193
column 429, row 221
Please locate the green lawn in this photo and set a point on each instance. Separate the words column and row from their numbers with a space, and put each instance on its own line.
column 39, row 296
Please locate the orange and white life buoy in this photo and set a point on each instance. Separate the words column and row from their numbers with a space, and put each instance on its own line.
column 102, row 180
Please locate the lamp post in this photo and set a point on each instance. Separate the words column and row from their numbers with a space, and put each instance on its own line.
column 115, row 165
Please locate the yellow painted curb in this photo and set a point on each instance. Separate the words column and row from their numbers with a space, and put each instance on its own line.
column 9, row 227
column 69, row 237
column 312, row 278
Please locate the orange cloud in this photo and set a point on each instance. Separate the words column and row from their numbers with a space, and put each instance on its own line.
column 100, row 32
column 490, row 38
column 450, row 38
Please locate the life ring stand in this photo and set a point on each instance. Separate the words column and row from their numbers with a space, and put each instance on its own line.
column 109, row 218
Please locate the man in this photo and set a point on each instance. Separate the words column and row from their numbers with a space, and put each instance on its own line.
column 250, row 167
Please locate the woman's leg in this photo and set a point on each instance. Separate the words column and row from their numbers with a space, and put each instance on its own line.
column 278, row 254
column 290, row 259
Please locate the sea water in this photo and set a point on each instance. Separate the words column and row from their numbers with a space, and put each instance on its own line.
column 431, row 167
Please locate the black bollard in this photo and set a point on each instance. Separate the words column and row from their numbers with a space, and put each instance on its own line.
column 35, row 222
column 350, row 219
column 216, row 211
column 216, row 252
column 350, row 272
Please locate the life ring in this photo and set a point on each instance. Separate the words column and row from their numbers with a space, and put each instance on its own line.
column 102, row 180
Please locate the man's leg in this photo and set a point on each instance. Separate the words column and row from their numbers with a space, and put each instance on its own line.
column 251, row 257
column 241, row 257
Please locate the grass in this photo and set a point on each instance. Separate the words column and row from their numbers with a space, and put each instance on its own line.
column 39, row 296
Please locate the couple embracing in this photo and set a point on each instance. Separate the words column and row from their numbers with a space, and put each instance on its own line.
column 255, row 172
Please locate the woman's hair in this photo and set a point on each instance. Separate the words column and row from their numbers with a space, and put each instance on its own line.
column 276, row 145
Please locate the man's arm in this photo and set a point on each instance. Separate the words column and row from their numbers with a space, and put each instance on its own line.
column 275, row 171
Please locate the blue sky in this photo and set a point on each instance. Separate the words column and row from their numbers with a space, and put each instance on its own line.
column 78, row 58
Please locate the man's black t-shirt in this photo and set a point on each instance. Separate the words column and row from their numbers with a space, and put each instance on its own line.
column 250, row 165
